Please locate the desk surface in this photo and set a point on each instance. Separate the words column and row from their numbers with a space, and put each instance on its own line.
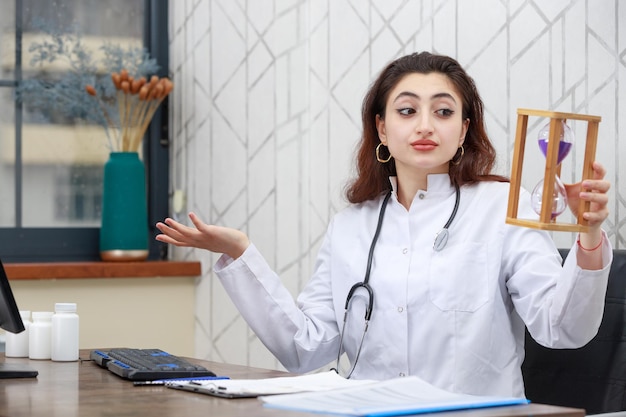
column 82, row 389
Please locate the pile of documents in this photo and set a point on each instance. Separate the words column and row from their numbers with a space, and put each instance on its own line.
column 330, row 393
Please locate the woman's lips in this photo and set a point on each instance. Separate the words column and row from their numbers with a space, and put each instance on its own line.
column 424, row 145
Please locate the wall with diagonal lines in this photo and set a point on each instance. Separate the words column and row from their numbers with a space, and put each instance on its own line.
column 266, row 112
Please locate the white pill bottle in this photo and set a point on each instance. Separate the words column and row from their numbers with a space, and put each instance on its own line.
column 64, row 347
column 39, row 335
column 17, row 343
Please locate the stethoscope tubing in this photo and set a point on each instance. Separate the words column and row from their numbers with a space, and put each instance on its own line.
column 441, row 239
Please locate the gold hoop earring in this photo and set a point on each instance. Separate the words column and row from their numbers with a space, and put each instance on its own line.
column 455, row 160
column 378, row 158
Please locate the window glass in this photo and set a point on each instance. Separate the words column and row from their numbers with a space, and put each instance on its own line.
column 7, row 153
column 7, row 159
column 61, row 153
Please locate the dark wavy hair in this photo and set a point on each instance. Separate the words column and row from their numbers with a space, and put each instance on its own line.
column 479, row 158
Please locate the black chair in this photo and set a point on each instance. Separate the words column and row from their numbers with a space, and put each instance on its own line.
column 592, row 377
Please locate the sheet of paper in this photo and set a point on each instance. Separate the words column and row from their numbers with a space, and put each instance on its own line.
column 409, row 395
column 269, row 386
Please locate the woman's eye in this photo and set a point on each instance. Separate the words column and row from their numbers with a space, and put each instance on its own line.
column 445, row 112
column 406, row 111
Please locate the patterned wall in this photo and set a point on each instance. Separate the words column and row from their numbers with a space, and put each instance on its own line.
column 265, row 115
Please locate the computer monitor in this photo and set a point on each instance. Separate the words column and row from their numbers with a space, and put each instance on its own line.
column 11, row 321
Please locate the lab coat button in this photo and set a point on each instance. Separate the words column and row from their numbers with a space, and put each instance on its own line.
column 405, row 251
column 400, row 309
column 401, row 374
column 421, row 196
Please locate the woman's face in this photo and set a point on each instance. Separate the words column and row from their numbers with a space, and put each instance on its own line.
column 423, row 125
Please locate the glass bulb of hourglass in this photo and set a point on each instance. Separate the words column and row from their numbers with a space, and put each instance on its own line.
column 559, row 195
column 565, row 145
column 559, row 198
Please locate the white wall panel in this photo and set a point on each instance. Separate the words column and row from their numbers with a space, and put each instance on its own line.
column 266, row 111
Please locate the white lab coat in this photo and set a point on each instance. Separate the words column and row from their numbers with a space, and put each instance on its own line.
column 455, row 317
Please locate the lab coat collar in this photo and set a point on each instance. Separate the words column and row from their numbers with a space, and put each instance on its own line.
column 438, row 185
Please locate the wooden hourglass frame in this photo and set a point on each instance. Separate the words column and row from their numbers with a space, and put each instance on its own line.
column 552, row 168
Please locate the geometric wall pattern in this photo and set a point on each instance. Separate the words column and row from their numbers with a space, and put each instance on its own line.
column 266, row 113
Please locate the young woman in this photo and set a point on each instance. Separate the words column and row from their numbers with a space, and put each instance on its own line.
column 423, row 253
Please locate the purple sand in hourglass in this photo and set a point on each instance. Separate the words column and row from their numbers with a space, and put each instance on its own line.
column 564, row 148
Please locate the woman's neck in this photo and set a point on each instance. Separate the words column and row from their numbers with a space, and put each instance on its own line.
column 408, row 188
column 411, row 181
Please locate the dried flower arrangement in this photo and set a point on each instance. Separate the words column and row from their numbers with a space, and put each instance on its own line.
column 136, row 101
column 104, row 90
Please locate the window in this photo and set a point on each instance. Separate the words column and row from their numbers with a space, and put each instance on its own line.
column 78, row 195
column 51, row 165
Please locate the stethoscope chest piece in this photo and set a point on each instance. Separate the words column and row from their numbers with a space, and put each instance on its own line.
column 441, row 239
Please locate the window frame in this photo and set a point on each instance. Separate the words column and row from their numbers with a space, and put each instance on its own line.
column 33, row 244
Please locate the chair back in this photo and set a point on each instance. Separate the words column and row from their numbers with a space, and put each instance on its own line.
column 592, row 377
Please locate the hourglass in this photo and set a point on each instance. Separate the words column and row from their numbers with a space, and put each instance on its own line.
column 559, row 195
column 548, row 198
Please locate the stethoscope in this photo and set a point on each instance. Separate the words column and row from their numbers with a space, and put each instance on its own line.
column 441, row 239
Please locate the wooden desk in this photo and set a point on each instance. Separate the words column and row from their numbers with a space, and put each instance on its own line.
column 82, row 389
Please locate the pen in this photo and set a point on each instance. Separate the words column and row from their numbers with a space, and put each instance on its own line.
column 172, row 380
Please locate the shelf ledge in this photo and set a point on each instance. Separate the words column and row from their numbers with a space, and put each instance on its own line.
column 77, row 270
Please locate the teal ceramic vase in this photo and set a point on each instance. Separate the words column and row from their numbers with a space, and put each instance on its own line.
column 124, row 231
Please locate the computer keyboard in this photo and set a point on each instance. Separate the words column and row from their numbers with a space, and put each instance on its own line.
column 147, row 364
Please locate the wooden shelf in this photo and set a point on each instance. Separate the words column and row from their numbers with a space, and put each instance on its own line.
column 75, row 270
